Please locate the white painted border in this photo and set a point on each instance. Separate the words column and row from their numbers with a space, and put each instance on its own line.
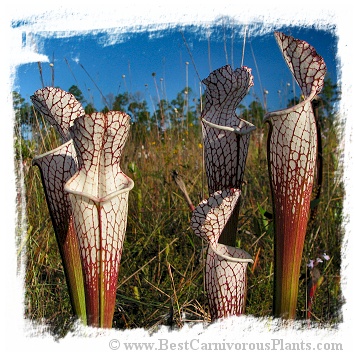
column 72, row 17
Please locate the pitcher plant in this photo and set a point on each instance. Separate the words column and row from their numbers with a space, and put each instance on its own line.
column 226, row 140
column 56, row 167
column 292, row 152
column 96, row 194
column 225, row 271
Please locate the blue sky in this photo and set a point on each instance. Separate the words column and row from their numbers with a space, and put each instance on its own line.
column 113, row 64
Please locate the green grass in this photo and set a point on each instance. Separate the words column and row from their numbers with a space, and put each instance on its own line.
column 161, row 274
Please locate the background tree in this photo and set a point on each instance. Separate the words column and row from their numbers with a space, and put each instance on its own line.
column 254, row 113
column 121, row 101
column 329, row 96
column 89, row 109
column 77, row 93
column 23, row 113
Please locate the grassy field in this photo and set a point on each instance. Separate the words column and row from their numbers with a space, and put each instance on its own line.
column 161, row 274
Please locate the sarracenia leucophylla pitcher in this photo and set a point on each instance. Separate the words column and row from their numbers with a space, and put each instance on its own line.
column 96, row 194
column 226, row 140
column 292, row 152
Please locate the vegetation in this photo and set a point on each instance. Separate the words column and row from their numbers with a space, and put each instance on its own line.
column 161, row 274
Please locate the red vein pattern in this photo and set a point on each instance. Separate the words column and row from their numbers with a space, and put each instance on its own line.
column 292, row 150
column 226, row 280
column 56, row 167
column 225, row 265
column 87, row 195
column 306, row 65
column 212, row 214
column 225, row 151
column 60, row 108
column 226, row 140
column 99, row 195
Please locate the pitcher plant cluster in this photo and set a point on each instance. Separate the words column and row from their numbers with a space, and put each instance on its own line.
column 87, row 196
column 87, row 192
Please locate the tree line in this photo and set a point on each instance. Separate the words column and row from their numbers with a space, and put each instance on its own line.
column 178, row 113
